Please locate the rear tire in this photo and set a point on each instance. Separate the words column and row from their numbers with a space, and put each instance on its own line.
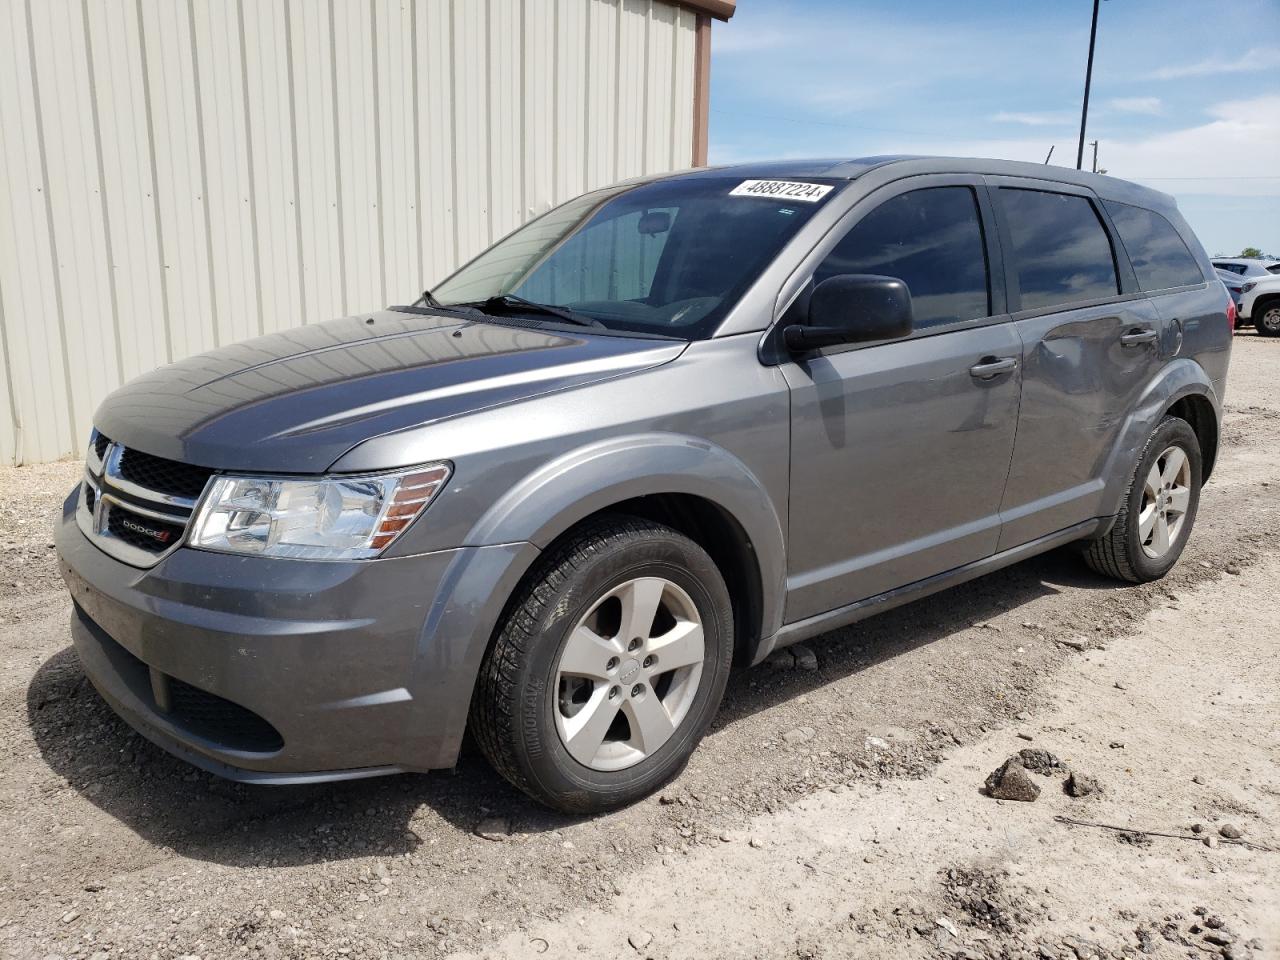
column 1158, row 512
column 608, row 667
column 1267, row 318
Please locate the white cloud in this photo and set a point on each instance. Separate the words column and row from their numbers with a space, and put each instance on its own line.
column 1251, row 61
column 1152, row 105
column 1036, row 119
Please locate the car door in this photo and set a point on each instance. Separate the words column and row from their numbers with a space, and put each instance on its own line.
column 1090, row 345
column 899, row 450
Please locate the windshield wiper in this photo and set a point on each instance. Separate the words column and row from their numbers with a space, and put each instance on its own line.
column 510, row 303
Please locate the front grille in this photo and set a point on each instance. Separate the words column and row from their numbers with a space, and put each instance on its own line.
column 209, row 716
column 134, row 505
column 145, row 533
column 163, row 476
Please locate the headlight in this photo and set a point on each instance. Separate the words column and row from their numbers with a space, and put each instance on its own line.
column 325, row 518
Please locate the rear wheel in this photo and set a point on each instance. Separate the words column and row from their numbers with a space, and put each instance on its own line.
column 1156, row 518
column 608, row 668
column 1267, row 318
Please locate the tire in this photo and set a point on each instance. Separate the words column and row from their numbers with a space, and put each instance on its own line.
column 529, row 705
column 1267, row 318
column 1127, row 552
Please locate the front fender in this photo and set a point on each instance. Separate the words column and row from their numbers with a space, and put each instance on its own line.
column 1181, row 378
column 550, row 500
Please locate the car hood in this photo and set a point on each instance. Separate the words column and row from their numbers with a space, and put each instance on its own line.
column 296, row 401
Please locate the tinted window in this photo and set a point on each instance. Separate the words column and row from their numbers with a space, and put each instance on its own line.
column 1159, row 257
column 932, row 240
column 1060, row 248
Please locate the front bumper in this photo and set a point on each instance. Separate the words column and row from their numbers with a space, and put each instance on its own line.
column 284, row 670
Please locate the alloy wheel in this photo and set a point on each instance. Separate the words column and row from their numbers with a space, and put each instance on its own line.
column 628, row 673
column 1166, row 495
column 1271, row 319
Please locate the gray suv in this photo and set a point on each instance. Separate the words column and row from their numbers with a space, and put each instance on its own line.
column 662, row 430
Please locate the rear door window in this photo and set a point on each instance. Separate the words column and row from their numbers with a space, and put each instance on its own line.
column 1060, row 248
column 1159, row 256
column 932, row 240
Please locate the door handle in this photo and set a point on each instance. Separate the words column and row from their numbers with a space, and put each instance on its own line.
column 1137, row 337
column 988, row 368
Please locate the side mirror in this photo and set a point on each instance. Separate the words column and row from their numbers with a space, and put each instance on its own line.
column 853, row 308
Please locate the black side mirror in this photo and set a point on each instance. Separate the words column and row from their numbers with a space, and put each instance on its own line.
column 853, row 308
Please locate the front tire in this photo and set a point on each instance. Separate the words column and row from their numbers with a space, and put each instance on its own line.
column 1267, row 318
column 1155, row 521
column 608, row 667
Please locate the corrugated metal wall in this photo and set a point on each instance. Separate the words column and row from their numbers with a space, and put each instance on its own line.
column 180, row 174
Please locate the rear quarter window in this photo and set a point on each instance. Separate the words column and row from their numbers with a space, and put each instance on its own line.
column 1159, row 256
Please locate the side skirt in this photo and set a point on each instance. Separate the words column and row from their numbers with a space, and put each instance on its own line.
column 853, row 612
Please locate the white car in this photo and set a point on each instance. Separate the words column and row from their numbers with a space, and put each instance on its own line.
column 1259, row 292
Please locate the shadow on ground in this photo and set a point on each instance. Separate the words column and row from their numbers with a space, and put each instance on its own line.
column 200, row 816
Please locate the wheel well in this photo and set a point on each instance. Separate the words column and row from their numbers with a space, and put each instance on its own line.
column 1261, row 303
column 1198, row 411
column 719, row 533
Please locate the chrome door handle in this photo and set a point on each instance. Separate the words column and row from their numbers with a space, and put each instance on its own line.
column 1135, row 338
column 988, row 368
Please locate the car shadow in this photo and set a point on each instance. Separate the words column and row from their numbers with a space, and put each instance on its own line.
column 169, row 803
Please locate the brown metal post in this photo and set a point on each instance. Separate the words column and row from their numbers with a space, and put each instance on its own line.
column 701, row 90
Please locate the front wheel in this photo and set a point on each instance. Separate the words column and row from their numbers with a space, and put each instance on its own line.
column 1267, row 318
column 1156, row 518
column 608, row 667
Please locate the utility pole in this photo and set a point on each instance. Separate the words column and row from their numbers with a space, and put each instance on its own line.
column 1094, row 144
column 1088, row 80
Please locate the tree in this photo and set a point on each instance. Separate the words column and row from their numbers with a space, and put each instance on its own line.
column 1251, row 253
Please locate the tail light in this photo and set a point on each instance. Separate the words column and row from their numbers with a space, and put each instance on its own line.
column 1231, row 311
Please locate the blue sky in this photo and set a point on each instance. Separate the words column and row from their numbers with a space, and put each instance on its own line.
column 1186, row 95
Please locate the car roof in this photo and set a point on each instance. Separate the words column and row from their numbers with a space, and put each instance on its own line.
column 851, row 168
column 1246, row 261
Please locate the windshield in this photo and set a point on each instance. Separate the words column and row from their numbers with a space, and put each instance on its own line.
column 669, row 257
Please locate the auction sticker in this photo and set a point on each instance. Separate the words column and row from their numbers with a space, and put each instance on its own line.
column 781, row 190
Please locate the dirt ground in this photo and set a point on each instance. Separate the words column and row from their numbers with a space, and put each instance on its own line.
column 831, row 813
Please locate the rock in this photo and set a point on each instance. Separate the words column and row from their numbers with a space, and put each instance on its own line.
column 1219, row 938
column 1232, row 569
column 756, row 843
column 70, row 915
column 1117, row 744
column 1211, row 842
column 276, row 914
column 1197, row 828
column 1022, row 715
column 640, row 939
column 494, row 828
column 1230, row 831
column 1075, row 643
column 1038, row 761
column 1079, row 785
column 799, row 735
column 1010, row 782
column 1198, row 779
column 948, row 926
column 783, row 659
column 1025, row 736
column 806, row 659
column 876, row 743
column 667, row 799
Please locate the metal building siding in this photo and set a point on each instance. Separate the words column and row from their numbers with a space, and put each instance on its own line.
column 177, row 175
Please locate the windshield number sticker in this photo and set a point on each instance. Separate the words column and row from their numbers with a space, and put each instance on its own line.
column 781, row 190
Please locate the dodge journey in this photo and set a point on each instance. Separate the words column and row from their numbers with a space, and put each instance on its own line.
column 656, row 433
